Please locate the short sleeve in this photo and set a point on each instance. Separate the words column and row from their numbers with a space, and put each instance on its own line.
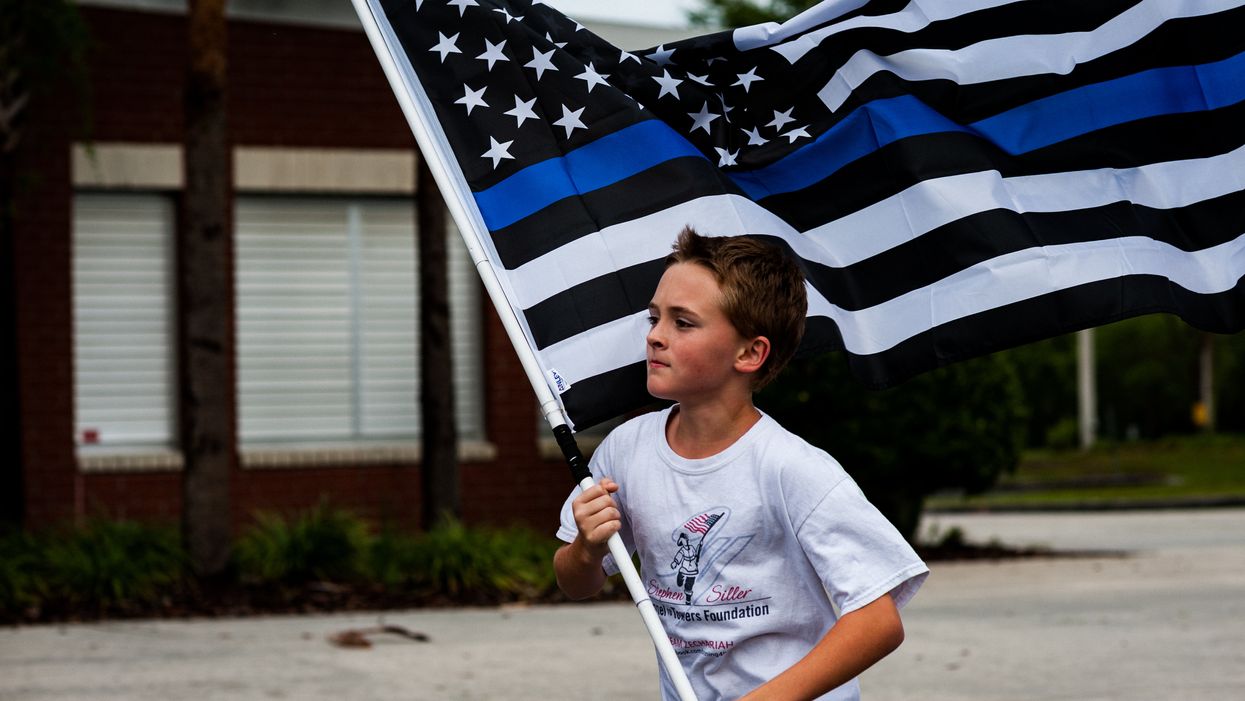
column 857, row 552
column 567, row 530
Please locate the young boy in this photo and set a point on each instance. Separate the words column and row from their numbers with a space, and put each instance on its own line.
column 775, row 578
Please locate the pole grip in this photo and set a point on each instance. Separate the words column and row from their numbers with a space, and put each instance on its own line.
column 570, row 450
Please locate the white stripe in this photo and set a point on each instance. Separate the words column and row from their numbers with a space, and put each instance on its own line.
column 930, row 204
column 879, row 227
column 787, row 41
column 607, row 347
column 1030, row 273
column 637, row 241
column 1005, row 280
column 1016, row 56
column 770, row 33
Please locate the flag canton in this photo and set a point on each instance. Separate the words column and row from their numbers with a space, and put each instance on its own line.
column 516, row 83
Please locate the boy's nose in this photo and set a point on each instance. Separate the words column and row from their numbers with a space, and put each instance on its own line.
column 654, row 338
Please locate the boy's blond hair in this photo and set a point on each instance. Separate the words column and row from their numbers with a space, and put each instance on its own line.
column 762, row 291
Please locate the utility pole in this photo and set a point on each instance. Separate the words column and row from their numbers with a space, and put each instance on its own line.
column 1086, row 394
column 1204, row 411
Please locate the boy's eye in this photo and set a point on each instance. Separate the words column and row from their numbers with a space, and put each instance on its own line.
column 652, row 320
column 683, row 323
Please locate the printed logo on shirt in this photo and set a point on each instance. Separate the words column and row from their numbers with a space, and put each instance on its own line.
column 702, row 549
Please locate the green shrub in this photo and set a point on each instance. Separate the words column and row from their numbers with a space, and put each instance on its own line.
column 102, row 564
column 455, row 560
column 461, row 562
column 323, row 543
column 20, row 588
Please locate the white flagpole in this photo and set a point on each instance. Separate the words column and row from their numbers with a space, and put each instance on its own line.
column 435, row 148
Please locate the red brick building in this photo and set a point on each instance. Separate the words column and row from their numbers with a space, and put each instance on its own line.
column 324, row 344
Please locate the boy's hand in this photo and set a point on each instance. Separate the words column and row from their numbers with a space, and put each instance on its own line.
column 597, row 517
column 577, row 565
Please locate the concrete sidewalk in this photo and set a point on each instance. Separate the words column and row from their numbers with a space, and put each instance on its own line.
column 1161, row 623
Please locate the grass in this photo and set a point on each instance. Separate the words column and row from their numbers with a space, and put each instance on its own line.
column 1202, row 469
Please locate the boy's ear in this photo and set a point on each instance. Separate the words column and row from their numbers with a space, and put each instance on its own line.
column 752, row 355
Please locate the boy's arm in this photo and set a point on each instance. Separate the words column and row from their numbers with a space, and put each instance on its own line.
column 577, row 565
column 857, row 641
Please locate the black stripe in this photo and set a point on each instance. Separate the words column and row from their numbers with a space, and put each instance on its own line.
column 601, row 397
column 900, row 165
column 1085, row 306
column 648, row 192
column 981, row 237
column 595, row 302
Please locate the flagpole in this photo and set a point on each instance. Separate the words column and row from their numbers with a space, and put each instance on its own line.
column 434, row 147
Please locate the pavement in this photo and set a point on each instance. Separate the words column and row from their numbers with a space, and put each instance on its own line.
column 1155, row 614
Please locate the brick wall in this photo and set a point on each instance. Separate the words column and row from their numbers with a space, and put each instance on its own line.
column 289, row 86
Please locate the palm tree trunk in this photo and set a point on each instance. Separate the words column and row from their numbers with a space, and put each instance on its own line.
column 206, row 385
column 439, row 467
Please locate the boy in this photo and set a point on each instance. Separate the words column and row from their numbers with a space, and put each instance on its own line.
column 769, row 536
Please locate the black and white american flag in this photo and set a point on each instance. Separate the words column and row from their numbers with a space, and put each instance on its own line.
column 956, row 176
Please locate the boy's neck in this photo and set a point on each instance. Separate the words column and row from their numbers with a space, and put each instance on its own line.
column 697, row 431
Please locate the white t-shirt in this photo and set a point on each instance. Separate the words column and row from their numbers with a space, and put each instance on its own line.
column 748, row 554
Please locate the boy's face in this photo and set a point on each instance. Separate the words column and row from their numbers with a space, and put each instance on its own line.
column 692, row 347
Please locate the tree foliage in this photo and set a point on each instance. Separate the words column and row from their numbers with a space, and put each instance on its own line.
column 958, row 427
column 741, row 13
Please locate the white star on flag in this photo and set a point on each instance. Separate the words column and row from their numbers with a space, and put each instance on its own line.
column 541, row 62
column 493, row 53
column 472, row 98
column 797, row 133
column 522, row 110
column 462, row 5
column 570, row 121
column 592, row 78
column 446, row 46
column 754, row 136
column 747, row 79
column 669, row 85
column 627, row 56
column 702, row 118
column 781, row 119
column 559, row 44
column 497, row 151
column 727, row 158
column 661, row 55
column 702, row 79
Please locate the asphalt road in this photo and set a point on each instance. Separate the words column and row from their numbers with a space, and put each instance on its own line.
column 1160, row 622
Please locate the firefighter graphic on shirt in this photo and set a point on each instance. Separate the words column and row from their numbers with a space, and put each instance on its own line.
column 686, row 561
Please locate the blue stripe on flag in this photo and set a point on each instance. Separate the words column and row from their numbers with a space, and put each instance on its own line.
column 1034, row 125
column 595, row 165
column 862, row 132
column 1151, row 93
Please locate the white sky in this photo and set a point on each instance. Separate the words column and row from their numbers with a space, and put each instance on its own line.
column 665, row 13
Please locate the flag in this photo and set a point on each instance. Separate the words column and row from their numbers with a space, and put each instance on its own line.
column 955, row 176
column 702, row 523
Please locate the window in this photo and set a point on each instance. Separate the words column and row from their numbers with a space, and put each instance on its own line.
column 327, row 322
column 124, row 373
